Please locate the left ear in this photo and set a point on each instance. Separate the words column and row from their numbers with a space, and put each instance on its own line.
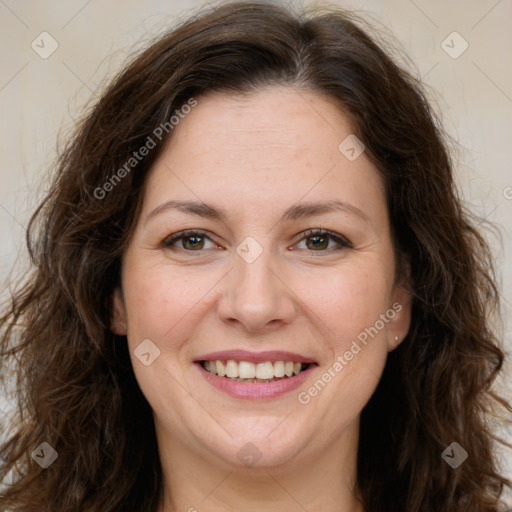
column 400, row 323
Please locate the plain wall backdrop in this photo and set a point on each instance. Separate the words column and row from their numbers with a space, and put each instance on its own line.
column 56, row 54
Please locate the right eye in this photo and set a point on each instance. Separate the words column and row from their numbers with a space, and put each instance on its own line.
column 189, row 240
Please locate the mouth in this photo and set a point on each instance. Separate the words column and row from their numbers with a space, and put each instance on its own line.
column 255, row 376
column 247, row 371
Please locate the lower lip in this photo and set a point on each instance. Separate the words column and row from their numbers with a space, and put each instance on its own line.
column 256, row 390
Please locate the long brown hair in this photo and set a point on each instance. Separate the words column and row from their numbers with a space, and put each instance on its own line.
column 75, row 387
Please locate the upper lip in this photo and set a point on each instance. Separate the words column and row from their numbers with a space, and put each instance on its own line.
column 255, row 357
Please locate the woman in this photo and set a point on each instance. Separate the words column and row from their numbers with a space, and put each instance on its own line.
column 255, row 288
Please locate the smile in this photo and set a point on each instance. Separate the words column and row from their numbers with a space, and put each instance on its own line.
column 247, row 371
column 255, row 375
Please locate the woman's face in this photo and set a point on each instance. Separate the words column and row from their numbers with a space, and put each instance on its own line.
column 255, row 290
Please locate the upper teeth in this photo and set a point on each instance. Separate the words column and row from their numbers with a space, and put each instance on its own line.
column 248, row 370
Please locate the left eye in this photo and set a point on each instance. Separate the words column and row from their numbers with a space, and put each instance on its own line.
column 319, row 241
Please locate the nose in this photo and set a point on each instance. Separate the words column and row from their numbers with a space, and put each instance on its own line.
column 255, row 297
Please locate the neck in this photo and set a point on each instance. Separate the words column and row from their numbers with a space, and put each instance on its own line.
column 325, row 483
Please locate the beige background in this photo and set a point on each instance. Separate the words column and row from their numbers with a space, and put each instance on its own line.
column 41, row 97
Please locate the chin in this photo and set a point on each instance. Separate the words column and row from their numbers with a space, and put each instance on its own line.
column 262, row 443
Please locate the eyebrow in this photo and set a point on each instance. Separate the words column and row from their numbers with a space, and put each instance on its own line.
column 295, row 212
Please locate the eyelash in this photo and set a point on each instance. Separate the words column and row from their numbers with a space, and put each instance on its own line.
column 342, row 242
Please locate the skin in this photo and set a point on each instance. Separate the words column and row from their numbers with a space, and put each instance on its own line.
column 255, row 156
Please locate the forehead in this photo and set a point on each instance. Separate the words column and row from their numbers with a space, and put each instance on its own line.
column 276, row 145
column 273, row 117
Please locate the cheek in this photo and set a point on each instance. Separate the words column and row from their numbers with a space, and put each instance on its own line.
column 163, row 302
column 350, row 303
column 160, row 305
column 348, row 300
